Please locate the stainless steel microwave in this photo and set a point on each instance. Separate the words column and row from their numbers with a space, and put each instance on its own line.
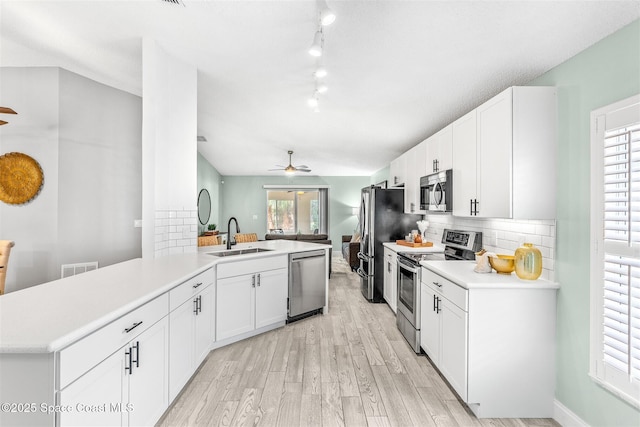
column 436, row 193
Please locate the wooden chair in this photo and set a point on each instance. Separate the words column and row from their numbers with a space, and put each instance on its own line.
column 246, row 237
column 5, row 250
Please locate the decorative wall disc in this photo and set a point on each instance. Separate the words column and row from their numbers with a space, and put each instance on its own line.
column 21, row 178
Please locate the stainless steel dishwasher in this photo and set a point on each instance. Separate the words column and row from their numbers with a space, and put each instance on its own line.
column 307, row 283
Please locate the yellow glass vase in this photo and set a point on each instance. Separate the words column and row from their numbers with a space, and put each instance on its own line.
column 528, row 262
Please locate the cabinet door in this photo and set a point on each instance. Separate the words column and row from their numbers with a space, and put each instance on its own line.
column 386, row 289
column 271, row 297
column 453, row 361
column 181, row 348
column 494, row 123
column 410, row 184
column 148, row 378
column 234, row 306
column 204, row 324
column 397, row 170
column 445, row 149
column 101, row 387
column 393, row 276
column 430, row 324
column 464, row 164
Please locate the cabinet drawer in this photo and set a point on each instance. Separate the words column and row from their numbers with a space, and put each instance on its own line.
column 186, row 290
column 237, row 268
column 448, row 289
column 84, row 354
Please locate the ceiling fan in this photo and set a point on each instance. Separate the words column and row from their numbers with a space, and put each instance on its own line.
column 290, row 168
column 6, row 110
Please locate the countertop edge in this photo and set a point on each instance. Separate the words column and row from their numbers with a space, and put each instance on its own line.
column 201, row 258
column 465, row 277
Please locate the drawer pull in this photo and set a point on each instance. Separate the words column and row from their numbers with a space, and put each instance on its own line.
column 135, row 325
column 258, row 279
column 437, row 284
column 197, row 285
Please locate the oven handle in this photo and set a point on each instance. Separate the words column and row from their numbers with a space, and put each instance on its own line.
column 363, row 257
column 408, row 267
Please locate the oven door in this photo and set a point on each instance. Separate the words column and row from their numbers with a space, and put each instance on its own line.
column 408, row 291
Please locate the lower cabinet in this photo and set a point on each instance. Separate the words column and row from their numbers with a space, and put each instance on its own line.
column 250, row 301
column 128, row 388
column 443, row 333
column 390, row 288
column 191, row 334
column 494, row 343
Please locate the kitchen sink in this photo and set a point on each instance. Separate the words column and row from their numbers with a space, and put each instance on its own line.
column 239, row 252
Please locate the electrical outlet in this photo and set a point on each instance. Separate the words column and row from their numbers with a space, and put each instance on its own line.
column 495, row 238
column 255, row 216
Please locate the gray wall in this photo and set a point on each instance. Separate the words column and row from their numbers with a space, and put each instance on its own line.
column 245, row 198
column 86, row 137
column 606, row 72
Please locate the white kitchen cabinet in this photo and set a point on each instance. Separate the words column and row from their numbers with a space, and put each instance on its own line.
column 390, row 287
column 443, row 332
column 507, row 169
column 397, row 171
column 464, row 135
column 415, row 169
column 255, row 299
column 439, row 153
column 128, row 388
column 192, row 333
column 493, row 343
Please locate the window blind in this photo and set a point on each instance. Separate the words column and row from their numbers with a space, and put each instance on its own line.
column 621, row 238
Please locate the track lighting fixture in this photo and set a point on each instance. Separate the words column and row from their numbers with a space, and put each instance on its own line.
column 318, row 41
column 326, row 15
column 321, row 87
column 320, row 72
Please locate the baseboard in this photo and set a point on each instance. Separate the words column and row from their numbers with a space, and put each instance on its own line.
column 563, row 416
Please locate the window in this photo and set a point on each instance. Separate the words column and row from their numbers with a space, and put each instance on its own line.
column 297, row 210
column 615, row 254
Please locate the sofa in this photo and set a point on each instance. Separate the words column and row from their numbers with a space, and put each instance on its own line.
column 350, row 251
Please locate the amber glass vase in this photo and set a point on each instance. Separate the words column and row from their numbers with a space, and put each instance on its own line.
column 528, row 262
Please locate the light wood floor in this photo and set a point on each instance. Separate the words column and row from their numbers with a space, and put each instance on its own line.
column 350, row 367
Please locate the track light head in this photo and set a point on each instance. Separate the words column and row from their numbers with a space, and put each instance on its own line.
column 327, row 17
column 316, row 47
column 320, row 73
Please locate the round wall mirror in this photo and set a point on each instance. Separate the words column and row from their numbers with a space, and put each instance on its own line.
column 204, row 206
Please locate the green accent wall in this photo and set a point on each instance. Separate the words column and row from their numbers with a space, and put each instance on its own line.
column 600, row 75
column 245, row 198
column 209, row 178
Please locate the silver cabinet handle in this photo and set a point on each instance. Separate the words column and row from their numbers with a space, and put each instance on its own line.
column 197, row 285
column 135, row 325
column 258, row 279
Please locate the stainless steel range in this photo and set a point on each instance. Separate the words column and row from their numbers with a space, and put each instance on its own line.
column 458, row 245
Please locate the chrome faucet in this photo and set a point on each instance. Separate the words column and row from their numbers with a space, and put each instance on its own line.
column 229, row 230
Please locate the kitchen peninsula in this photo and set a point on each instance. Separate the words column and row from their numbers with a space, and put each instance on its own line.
column 116, row 345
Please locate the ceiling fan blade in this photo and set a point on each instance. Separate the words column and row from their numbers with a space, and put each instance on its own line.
column 2, row 122
column 7, row 110
column 302, row 166
column 303, row 170
column 281, row 169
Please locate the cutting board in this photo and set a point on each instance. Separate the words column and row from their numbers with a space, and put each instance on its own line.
column 414, row 245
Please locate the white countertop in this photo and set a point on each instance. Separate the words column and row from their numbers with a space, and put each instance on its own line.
column 461, row 272
column 425, row 249
column 48, row 317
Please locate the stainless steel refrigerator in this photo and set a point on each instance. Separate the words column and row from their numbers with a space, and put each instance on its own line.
column 382, row 219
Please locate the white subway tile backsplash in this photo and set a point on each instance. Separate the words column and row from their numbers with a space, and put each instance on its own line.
column 510, row 234
column 176, row 231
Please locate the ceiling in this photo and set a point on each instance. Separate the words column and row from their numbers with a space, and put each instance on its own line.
column 399, row 71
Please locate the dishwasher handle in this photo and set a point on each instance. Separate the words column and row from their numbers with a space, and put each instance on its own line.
column 302, row 255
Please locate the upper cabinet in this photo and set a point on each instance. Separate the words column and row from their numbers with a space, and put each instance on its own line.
column 397, row 171
column 504, row 156
column 415, row 168
column 439, row 151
